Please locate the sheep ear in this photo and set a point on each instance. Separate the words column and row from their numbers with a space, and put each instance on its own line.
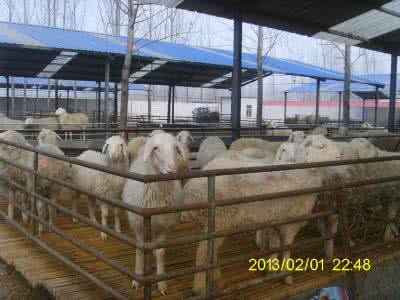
column 148, row 149
column 105, row 147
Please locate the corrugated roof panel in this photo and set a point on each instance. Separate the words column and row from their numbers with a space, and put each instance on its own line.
column 336, row 38
column 393, row 5
column 369, row 25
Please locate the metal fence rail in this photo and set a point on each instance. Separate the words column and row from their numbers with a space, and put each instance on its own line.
column 148, row 278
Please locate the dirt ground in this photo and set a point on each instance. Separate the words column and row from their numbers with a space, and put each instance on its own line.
column 14, row 287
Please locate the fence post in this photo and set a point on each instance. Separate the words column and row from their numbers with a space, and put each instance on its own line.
column 33, row 198
column 147, row 255
column 211, row 229
column 343, row 212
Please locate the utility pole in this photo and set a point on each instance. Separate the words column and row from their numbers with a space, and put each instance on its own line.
column 260, row 76
column 346, row 91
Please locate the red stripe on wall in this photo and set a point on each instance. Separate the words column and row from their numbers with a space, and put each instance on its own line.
column 368, row 103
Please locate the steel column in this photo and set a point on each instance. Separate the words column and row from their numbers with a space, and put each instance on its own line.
column 56, row 102
column 68, row 100
column 173, row 104
column 75, row 98
column 115, row 103
column 98, row 103
column 340, row 109
column 106, row 92
column 37, row 98
column 147, row 255
column 8, row 95
column 317, row 98
column 149, row 104
column 169, row 104
column 376, row 107
column 392, row 102
column 12, row 96
column 236, row 76
column 285, row 108
column 24, row 103
column 363, row 111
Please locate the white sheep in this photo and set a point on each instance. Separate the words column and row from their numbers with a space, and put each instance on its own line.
column 47, row 136
column 320, row 131
column 21, row 157
column 243, row 185
column 269, row 148
column 41, row 123
column 52, row 168
column 185, row 138
column 160, row 156
column 10, row 124
column 366, row 125
column 134, row 147
column 72, row 121
column 296, row 137
column 343, row 131
column 114, row 155
column 209, row 148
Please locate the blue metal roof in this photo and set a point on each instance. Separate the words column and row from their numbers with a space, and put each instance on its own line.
column 187, row 65
column 63, row 84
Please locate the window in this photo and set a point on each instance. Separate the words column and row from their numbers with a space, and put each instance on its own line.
column 248, row 111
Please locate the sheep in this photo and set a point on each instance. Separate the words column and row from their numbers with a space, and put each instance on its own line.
column 42, row 123
column 21, row 157
column 209, row 148
column 52, row 168
column 243, row 185
column 185, row 138
column 366, row 125
column 134, row 146
column 296, row 137
column 343, row 131
column 72, row 121
column 268, row 148
column 320, row 131
column 114, row 155
column 160, row 156
column 10, row 124
column 47, row 136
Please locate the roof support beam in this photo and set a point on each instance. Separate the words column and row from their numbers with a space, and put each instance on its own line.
column 317, row 96
column 392, row 101
column 8, row 95
column 106, row 93
column 236, row 77
column 376, row 107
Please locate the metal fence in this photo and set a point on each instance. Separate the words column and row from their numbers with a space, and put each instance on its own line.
column 148, row 245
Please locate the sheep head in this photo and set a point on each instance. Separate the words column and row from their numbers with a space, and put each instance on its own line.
column 115, row 148
column 29, row 121
column 319, row 148
column 296, row 137
column 47, row 136
column 60, row 111
column 162, row 152
column 185, row 138
column 156, row 131
column 364, row 148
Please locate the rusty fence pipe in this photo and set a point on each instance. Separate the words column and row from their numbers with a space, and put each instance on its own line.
column 119, row 236
column 147, row 256
column 343, row 214
column 63, row 258
column 236, row 231
column 35, row 189
column 134, row 209
column 210, row 230
column 270, row 196
column 305, row 244
column 86, row 248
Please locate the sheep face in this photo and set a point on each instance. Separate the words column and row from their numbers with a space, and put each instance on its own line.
column 365, row 149
column 161, row 151
column 29, row 121
column 47, row 136
column 60, row 111
column 185, row 138
column 319, row 148
column 115, row 148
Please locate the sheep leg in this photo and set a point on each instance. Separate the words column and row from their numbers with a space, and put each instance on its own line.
column 199, row 284
column 139, row 261
column 160, row 259
column 92, row 209
column 11, row 199
column 52, row 210
column 328, row 226
column 117, row 221
column 41, row 209
column 104, row 216
column 24, row 198
column 75, row 200
column 287, row 234
column 261, row 239
column 391, row 230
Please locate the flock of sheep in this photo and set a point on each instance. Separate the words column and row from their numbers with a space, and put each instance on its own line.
column 61, row 120
column 164, row 153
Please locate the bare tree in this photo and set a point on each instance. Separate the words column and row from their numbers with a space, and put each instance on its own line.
column 11, row 9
